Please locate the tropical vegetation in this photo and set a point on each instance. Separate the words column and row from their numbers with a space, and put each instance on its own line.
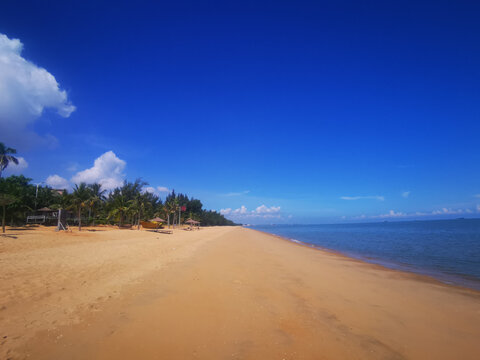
column 6, row 157
column 90, row 204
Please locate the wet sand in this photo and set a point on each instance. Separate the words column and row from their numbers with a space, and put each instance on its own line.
column 217, row 293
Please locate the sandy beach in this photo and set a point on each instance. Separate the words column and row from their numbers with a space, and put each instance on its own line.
column 218, row 293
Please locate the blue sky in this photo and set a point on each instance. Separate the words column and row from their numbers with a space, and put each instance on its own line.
column 270, row 111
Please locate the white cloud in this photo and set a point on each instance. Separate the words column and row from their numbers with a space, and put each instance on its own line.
column 16, row 169
column 477, row 195
column 260, row 212
column 375, row 197
column 449, row 211
column 150, row 189
column 107, row 170
column 392, row 214
column 406, row 194
column 226, row 211
column 442, row 211
column 267, row 210
column 156, row 191
column 57, row 182
column 240, row 211
column 25, row 91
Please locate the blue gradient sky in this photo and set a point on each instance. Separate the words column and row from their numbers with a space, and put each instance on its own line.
column 321, row 111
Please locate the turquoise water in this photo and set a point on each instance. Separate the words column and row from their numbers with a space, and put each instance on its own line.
column 448, row 250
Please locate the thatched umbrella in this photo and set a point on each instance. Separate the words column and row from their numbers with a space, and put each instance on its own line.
column 192, row 222
column 157, row 219
column 45, row 209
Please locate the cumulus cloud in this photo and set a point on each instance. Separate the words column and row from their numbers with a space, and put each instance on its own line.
column 375, row 197
column 57, row 182
column 155, row 190
column 16, row 169
column 25, row 91
column 261, row 211
column 107, row 170
column 406, row 194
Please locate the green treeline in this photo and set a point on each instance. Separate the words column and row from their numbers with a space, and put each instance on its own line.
column 127, row 204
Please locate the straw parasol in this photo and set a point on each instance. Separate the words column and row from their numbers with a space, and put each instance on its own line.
column 192, row 222
column 45, row 209
column 157, row 219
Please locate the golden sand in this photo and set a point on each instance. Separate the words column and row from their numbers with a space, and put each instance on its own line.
column 218, row 293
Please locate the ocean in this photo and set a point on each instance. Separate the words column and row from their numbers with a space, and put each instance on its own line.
column 448, row 250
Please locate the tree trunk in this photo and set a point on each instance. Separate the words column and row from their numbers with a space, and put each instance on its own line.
column 79, row 219
column 168, row 220
column 3, row 218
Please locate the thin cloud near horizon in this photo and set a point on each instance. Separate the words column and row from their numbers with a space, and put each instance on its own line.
column 371, row 197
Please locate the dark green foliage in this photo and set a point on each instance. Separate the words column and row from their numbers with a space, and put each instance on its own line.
column 194, row 210
column 6, row 157
column 90, row 204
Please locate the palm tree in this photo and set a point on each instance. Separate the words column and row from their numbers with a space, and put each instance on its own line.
column 5, row 199
column 170, row 207
column 80, row 197
column 6, row 157
column 119, row 205
column 97, row 196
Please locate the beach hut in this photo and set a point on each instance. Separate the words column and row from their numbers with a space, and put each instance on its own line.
column 44, row 215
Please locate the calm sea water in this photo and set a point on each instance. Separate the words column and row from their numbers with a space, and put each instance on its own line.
column 446, row 249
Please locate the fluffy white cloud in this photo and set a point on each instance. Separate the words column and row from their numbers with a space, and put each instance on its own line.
column 25, row 91
column 375, row 197
column 406, row 194
column 15, row 169
column 57, row 182
column 226, row 211
column 240, row 211
column 261, row 211
column 107, row 170
column 157, row 190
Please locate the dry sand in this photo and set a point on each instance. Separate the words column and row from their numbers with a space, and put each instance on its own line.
column 218, row 293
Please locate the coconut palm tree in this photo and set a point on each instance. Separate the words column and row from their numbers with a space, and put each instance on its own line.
column 119, row 206
column 6, row 157
column 80, row 197
column 97, row 196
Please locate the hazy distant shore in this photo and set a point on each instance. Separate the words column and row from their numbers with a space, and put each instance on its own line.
column 215, row 293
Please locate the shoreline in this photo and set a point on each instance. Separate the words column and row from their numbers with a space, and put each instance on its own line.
column 429, row 276
column 217, row 293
